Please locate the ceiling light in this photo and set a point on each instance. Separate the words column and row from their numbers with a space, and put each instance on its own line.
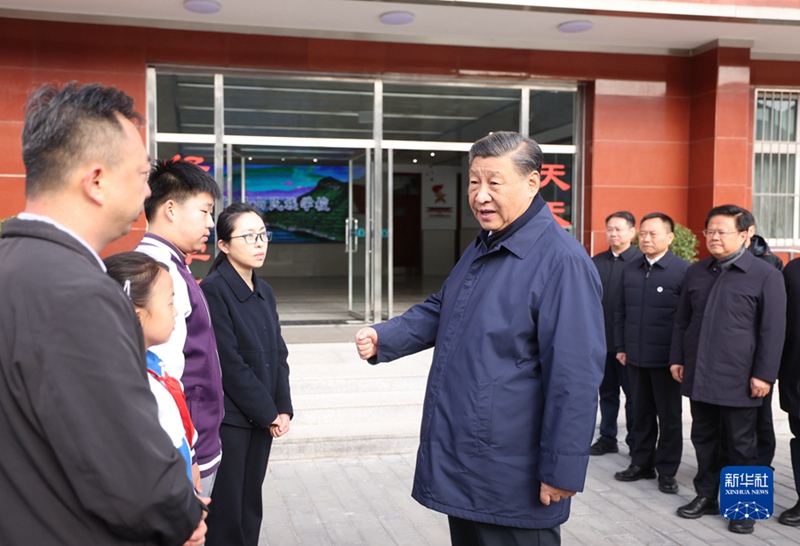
column 202, row 6
column 315, row 160
column 396, row 17
column 571, row 27
column 249, row 159
column 414, row 160
column 433, row 154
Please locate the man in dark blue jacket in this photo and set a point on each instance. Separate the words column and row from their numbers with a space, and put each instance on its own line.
column 620, row 231
column 511, row 400
column 651, row 287
column 726, row 349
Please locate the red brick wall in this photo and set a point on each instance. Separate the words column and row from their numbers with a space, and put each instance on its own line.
column 660, row 130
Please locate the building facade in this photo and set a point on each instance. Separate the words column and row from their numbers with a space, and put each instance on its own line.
column 678, row 133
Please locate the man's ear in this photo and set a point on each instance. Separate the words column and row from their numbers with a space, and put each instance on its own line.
column 169, row 209
column 534, row 180
column 92, row 182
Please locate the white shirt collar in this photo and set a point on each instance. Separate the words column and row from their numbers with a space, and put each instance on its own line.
column 48, row 220
column 651, row 262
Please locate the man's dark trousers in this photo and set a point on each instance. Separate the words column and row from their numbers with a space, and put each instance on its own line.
column 616, row 376
column 765, row 431
column 473, row 533
column 709, row 421
column 658, row 427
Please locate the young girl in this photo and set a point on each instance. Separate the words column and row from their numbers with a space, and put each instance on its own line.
column 149, row 286
column 255, row 374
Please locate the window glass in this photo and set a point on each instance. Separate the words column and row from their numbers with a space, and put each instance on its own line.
column 447, row 113
column 552, row 115
column 185, row 103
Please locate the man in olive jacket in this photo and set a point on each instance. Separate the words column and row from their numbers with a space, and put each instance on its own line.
column 726, row 349
column 511, row 401
column 83, row 459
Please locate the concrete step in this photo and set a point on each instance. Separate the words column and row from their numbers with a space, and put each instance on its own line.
column 346, row 407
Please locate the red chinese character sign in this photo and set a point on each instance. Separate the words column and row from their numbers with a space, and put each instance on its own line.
column 555, row 189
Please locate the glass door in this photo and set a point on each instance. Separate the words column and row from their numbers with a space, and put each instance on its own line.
column 358, row 238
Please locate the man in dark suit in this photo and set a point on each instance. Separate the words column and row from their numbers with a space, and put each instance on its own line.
column 789, row 380
column 726, row 345
column 651, row 287
column 620, row 231
column 765, row 431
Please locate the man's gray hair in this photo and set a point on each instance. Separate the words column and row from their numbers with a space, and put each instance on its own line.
column 525, row 152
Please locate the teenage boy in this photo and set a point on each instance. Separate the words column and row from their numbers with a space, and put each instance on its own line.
column 180, row 216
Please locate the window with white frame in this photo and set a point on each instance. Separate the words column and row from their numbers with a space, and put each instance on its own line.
column 776, row 180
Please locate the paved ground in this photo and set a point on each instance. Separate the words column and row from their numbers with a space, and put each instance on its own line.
column 366, row 500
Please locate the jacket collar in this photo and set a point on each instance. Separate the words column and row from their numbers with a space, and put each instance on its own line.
column 237, row 284
column 534, row 222
column 156, row 240
column 628, row 254
column 37, row 229
column 663, row 262
column 742, row 263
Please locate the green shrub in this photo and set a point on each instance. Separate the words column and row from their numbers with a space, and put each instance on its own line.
column 685, row 244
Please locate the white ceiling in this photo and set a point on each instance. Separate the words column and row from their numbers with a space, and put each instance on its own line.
column 630, row 26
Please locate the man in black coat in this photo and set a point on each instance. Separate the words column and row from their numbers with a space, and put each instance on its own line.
column 651, row 287
column 726, row 345
column 620, row 231
column 789, row 379
column 765, row 431
column 83, row 459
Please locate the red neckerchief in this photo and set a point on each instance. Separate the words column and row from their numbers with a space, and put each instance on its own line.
column 173, row 386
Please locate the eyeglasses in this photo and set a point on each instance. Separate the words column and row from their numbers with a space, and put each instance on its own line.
column 251, row 238
column 712, row 232
column 613, row 229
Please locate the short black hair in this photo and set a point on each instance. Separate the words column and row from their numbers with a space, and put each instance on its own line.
column 63, row 125
column 524, row 152
column 625, row 215
column 744, row 218
column 177, row 180
column 661, row 216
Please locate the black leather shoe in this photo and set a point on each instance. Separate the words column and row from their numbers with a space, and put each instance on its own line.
column 791, row 516
column 634, row 473
column 699, row 507
column 601, row 448
column 667, row 484
column 741, row 526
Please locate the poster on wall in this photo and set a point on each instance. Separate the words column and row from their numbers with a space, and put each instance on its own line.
column 300, row 203
column 439, row 194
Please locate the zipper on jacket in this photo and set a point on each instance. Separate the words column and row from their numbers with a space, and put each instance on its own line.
column 649, row 268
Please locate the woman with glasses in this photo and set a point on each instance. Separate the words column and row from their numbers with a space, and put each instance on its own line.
column 255, row 374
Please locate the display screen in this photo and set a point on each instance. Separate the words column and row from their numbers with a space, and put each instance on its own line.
column 300, row 203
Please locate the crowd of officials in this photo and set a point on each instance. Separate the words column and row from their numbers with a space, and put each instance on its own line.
column 139, row 406
column 714, row 331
